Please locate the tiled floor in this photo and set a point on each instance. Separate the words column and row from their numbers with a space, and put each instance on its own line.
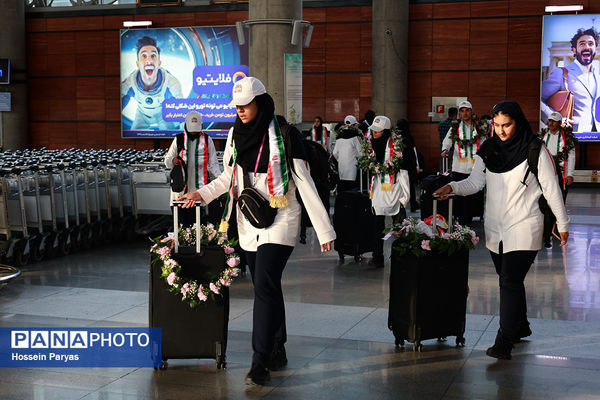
column 339, row 345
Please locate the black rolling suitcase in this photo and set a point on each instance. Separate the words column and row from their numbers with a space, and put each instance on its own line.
column 187, row 332
column 429, row 185
column 428, row 297
column 353, row 224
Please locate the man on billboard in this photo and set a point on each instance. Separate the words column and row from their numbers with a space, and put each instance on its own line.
column 581, row 78
column 150, row 84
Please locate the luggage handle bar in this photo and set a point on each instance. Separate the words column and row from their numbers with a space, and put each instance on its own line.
column 450, row 201
column 197, row 206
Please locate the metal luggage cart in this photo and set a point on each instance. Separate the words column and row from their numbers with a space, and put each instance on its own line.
column 151, row 194
column 14, row 248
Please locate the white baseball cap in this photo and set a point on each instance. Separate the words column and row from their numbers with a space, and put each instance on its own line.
column 380, row 123
column 245, row 90
column 556, row 116
column 464, row 104
column 193, row 121
column 350, row 120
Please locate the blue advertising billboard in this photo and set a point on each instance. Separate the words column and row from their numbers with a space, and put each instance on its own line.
column 570, row 75
column 167, row 72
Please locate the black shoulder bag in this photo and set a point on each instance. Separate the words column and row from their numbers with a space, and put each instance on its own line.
column 253, row 205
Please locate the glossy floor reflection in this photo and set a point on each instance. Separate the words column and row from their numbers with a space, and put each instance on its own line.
column 339, row 344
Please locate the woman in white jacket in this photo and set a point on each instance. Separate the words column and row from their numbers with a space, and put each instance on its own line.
column 514, row 222
column 346, row 151
column 255, row 145
column 390, row 190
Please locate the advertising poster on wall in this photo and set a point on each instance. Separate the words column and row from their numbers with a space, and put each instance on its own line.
column 570, row 73
column 167, row 72
column 293, row 87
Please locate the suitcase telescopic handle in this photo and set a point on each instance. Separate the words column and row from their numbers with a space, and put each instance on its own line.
column 197, row 206
column 450, row 201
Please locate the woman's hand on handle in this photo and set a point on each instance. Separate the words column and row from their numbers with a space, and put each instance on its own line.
column 326, row 247
column 443, row 192
column 190, row 199
column 564, row 237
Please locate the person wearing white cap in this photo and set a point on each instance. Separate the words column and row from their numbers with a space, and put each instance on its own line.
column 320, row 134
column 346, row 150
column 465, row 138
column 257, row 156
column 560, row 144
column 194, row 151
column 389, row 187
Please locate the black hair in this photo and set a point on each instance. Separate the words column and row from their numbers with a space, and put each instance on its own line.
column 452, row 111
column 319, row 118
column 486, row 116
column 583, row 32
column 146, row 41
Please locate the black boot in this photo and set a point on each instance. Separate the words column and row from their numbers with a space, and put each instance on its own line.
column 501, row 348
column 524, row 331
column 278, row 358
column 258, row 375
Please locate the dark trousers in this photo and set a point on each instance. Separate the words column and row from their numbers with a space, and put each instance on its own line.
column 268, row 322
column 346, row 185
column 511, row 268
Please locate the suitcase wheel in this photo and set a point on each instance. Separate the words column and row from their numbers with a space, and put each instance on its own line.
column 400, row 343
column 417, row 347
column 164, row 365
column 221, row 364
column 460, row 341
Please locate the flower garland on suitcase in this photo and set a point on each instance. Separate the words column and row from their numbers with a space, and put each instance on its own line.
column 480, row 129
column 417, row 237
column 193, row 292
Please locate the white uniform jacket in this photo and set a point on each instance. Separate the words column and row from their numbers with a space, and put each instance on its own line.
column 512, row 213
column 462, row 164
column 346, row 152
column 192, row 169
column 388, row 202
column 284, row 229
column 551, row 145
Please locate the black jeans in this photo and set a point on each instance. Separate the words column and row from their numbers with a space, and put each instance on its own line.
column 549, row 218
column 467, row 207
column 511, row 268
column 268, row 321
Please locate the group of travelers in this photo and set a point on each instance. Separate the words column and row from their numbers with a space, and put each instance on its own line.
column 262, row 153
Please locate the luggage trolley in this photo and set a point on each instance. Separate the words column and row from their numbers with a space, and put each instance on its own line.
column 14, row 249
column 151, row 194
column 58, row 242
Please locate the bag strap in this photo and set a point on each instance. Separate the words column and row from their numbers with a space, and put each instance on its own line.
column 179, row 139
column 533, row 155
column 565, row 78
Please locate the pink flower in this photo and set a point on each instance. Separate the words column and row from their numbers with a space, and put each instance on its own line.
column 212, row 235
column 153, row 246
column 425, row 245
column 202, row 296
column 221, row 239
column 229, row 250
column 214, row 288
column 171, row 278
column 474, row 238
column 225, row 282
column 185, row 289
column 165, row 240
column 233, row 261
column 232, row 272
column 163, row 251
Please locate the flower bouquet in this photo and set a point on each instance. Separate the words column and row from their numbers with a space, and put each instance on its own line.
column 195, row 285
column 416, row 237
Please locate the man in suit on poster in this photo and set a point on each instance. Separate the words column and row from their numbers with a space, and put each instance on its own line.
column 583, row 80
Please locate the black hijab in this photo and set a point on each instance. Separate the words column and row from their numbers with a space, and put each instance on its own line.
column 348, row 133
column 501, row 156
column 319, row 129
column 379, row 145
column 248, row 137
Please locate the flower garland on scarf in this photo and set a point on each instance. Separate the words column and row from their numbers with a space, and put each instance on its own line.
column 193, row 292
column 416, row 237
column 569, row 141
column 392, row 162
column 478, row 130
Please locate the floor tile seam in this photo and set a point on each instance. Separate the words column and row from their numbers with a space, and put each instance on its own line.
column 374, row 309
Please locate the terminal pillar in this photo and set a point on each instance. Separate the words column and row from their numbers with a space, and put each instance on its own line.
column 390, row 58
column 269, row 41
column 13, row 124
